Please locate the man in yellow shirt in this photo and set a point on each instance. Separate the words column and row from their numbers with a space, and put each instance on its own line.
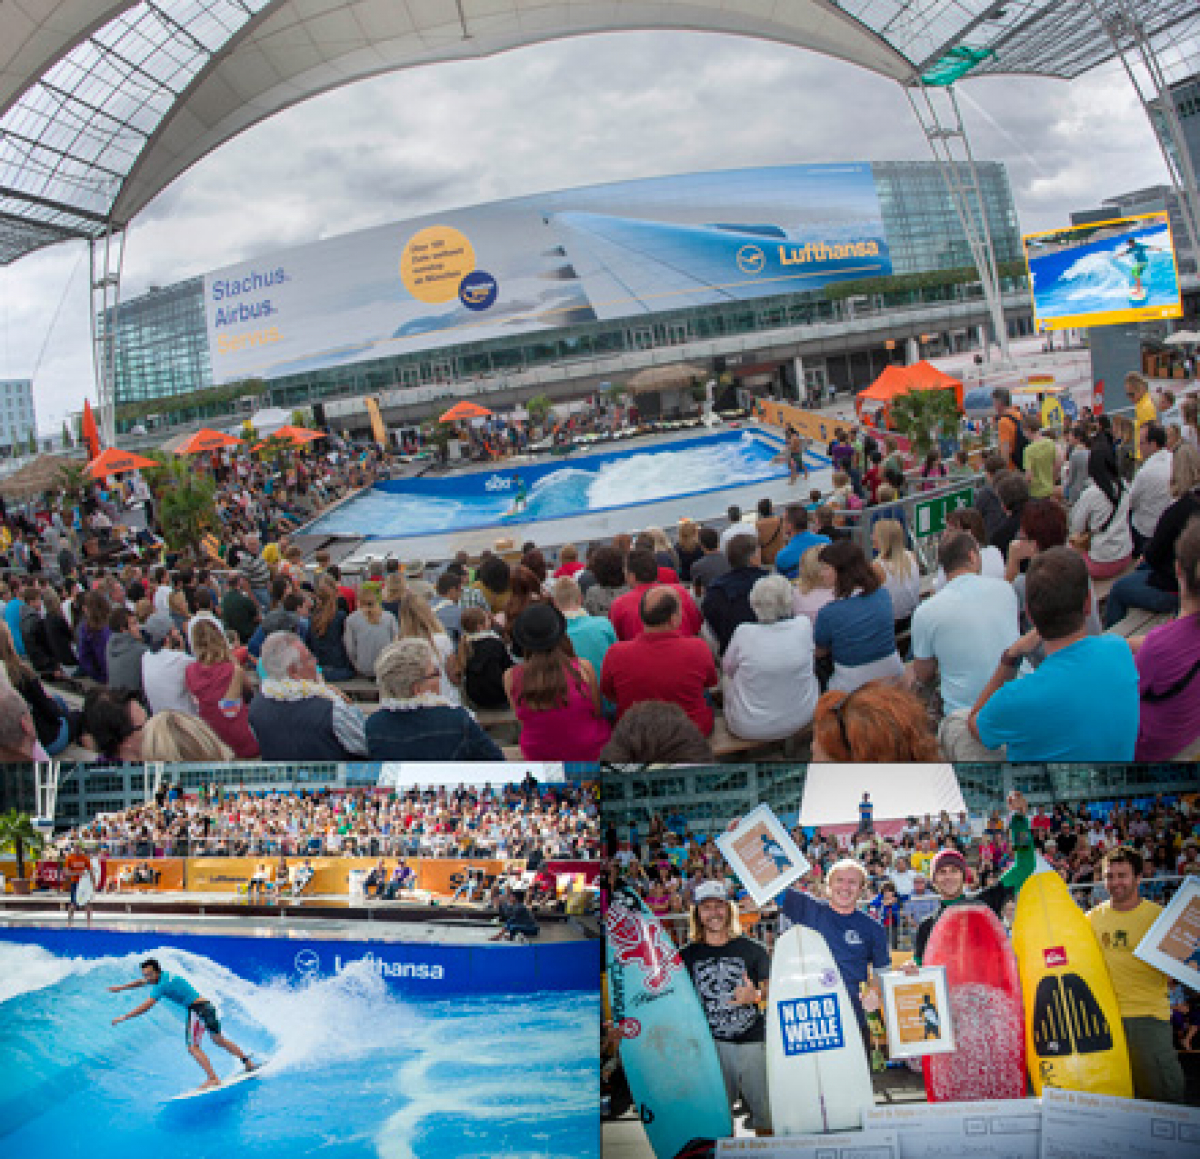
column 1142, row 991
column 1137, row 390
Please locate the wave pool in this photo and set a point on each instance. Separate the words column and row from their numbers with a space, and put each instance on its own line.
column 557, row 489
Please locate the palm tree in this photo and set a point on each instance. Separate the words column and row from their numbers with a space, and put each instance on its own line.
column 924, row 416
column 74, row 481
column 186, row 500
column 18, row 835
column 538, row 408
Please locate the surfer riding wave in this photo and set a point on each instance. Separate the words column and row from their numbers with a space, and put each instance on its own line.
column 201, row 1016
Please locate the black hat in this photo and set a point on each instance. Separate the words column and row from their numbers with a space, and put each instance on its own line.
column 539, row 628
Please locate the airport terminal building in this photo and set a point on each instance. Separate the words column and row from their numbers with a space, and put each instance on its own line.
column 790, row 280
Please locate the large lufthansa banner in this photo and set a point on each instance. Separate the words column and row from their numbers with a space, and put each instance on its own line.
column 544, row 262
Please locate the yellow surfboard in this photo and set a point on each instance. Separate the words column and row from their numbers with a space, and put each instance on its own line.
column 1073, row 1028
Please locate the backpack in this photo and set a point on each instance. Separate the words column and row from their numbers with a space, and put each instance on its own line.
column 1020, row 439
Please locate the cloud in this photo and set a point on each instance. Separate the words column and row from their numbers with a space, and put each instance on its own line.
column 554, row 116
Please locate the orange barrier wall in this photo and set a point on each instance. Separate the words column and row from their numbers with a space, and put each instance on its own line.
column 811, row 426
column 169, row 869
column 332, row 874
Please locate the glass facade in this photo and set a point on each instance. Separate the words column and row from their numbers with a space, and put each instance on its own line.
column 161, row 345
column 162, row 351
column 17, row 417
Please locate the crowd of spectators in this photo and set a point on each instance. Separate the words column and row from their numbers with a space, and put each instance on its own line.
column 669, row 861
column 815, row 618
column 526, row 821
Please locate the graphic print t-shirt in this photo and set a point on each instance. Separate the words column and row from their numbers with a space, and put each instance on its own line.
column 717, row 971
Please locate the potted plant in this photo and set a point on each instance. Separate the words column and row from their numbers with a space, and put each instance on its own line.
column 18, row 835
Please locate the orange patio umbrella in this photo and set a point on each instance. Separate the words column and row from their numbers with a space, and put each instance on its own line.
column 114, row 462
column 464, row 410
column 297, row 436
column 207, row 439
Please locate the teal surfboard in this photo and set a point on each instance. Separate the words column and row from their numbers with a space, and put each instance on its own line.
column 667, row 1050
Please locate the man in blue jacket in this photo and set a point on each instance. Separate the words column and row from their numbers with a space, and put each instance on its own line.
column 787, row 562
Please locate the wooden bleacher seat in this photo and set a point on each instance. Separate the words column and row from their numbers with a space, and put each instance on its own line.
column 1138, row 621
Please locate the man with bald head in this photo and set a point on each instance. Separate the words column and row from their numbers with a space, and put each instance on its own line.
column 663, row 663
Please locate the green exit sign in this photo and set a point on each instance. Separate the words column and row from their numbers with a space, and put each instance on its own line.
column 930, row 516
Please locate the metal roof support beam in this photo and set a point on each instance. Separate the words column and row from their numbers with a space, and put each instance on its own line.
column 1133, row 47
column 107, row 257
column 951, row 148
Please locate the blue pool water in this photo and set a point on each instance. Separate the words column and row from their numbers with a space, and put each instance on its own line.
column 356, row 1071
column 555, row 489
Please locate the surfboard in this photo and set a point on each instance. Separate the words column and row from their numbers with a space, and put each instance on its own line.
column 1139, row 295
column 239, row 1076
column 818, row 1077
column 89, row 883
column 1075, row 1039
column 985, row 1006
column 667, row 1050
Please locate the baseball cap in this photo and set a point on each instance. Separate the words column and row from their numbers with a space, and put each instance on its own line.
column 711, row 891
column 947, row 857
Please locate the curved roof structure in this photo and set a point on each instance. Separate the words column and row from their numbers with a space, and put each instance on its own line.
column 102, row 105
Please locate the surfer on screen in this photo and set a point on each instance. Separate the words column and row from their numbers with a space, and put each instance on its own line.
column 201, row 1016
column 948, row 871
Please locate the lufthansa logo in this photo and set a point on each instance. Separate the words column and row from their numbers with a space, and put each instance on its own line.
column 478, row 290
column 751, row 259
column 498, row 483
column 307, row 962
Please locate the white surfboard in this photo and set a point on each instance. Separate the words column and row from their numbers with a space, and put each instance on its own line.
column 818, row 1077
column 240, row 1076
column 89, row 883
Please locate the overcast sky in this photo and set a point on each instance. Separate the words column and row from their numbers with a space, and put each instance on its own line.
column 576, row 112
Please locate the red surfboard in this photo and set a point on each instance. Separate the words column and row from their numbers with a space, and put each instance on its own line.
column 985, row 1005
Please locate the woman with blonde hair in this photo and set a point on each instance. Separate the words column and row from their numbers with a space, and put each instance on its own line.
column 897, row 568
column 663, row 551
column 219, row 687
column 395, row 588
column 418, row 622
column 177, row 605
column 369, row 630
column 175, row 736
column 689, row 549
column 327, row 631
column 814, row 584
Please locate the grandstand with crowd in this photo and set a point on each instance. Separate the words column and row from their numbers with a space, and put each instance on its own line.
column 827, row 628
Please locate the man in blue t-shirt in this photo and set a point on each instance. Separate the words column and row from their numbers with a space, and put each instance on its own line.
column 856, row 940
column 787, row 562
column 200, row 1014
column 1081, row 703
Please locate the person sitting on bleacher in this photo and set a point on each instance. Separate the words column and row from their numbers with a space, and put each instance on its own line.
column 1153, row 585
column 959, row 634
column 300, row 876
column 260, row 881
column 1168, row 663
column 520, row 923
column 414, row 721
column 1100, row 520
column 1051, row 713
column 401, row 879
column 1151, row 492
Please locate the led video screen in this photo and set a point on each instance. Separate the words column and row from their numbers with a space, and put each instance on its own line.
column 1104, row 273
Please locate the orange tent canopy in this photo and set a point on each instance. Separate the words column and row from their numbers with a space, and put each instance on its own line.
column 207, row 439
column 114, row 462
column 898, row 380
column 464, row 410
column 297, row 436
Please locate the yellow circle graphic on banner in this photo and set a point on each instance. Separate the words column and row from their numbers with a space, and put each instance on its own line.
column 434, row 262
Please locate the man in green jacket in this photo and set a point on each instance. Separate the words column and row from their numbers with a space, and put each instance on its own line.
column 948, row 872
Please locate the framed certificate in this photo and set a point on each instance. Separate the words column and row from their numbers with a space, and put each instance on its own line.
column 763, row 855
column 916, row 1009
column 1172, row 944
